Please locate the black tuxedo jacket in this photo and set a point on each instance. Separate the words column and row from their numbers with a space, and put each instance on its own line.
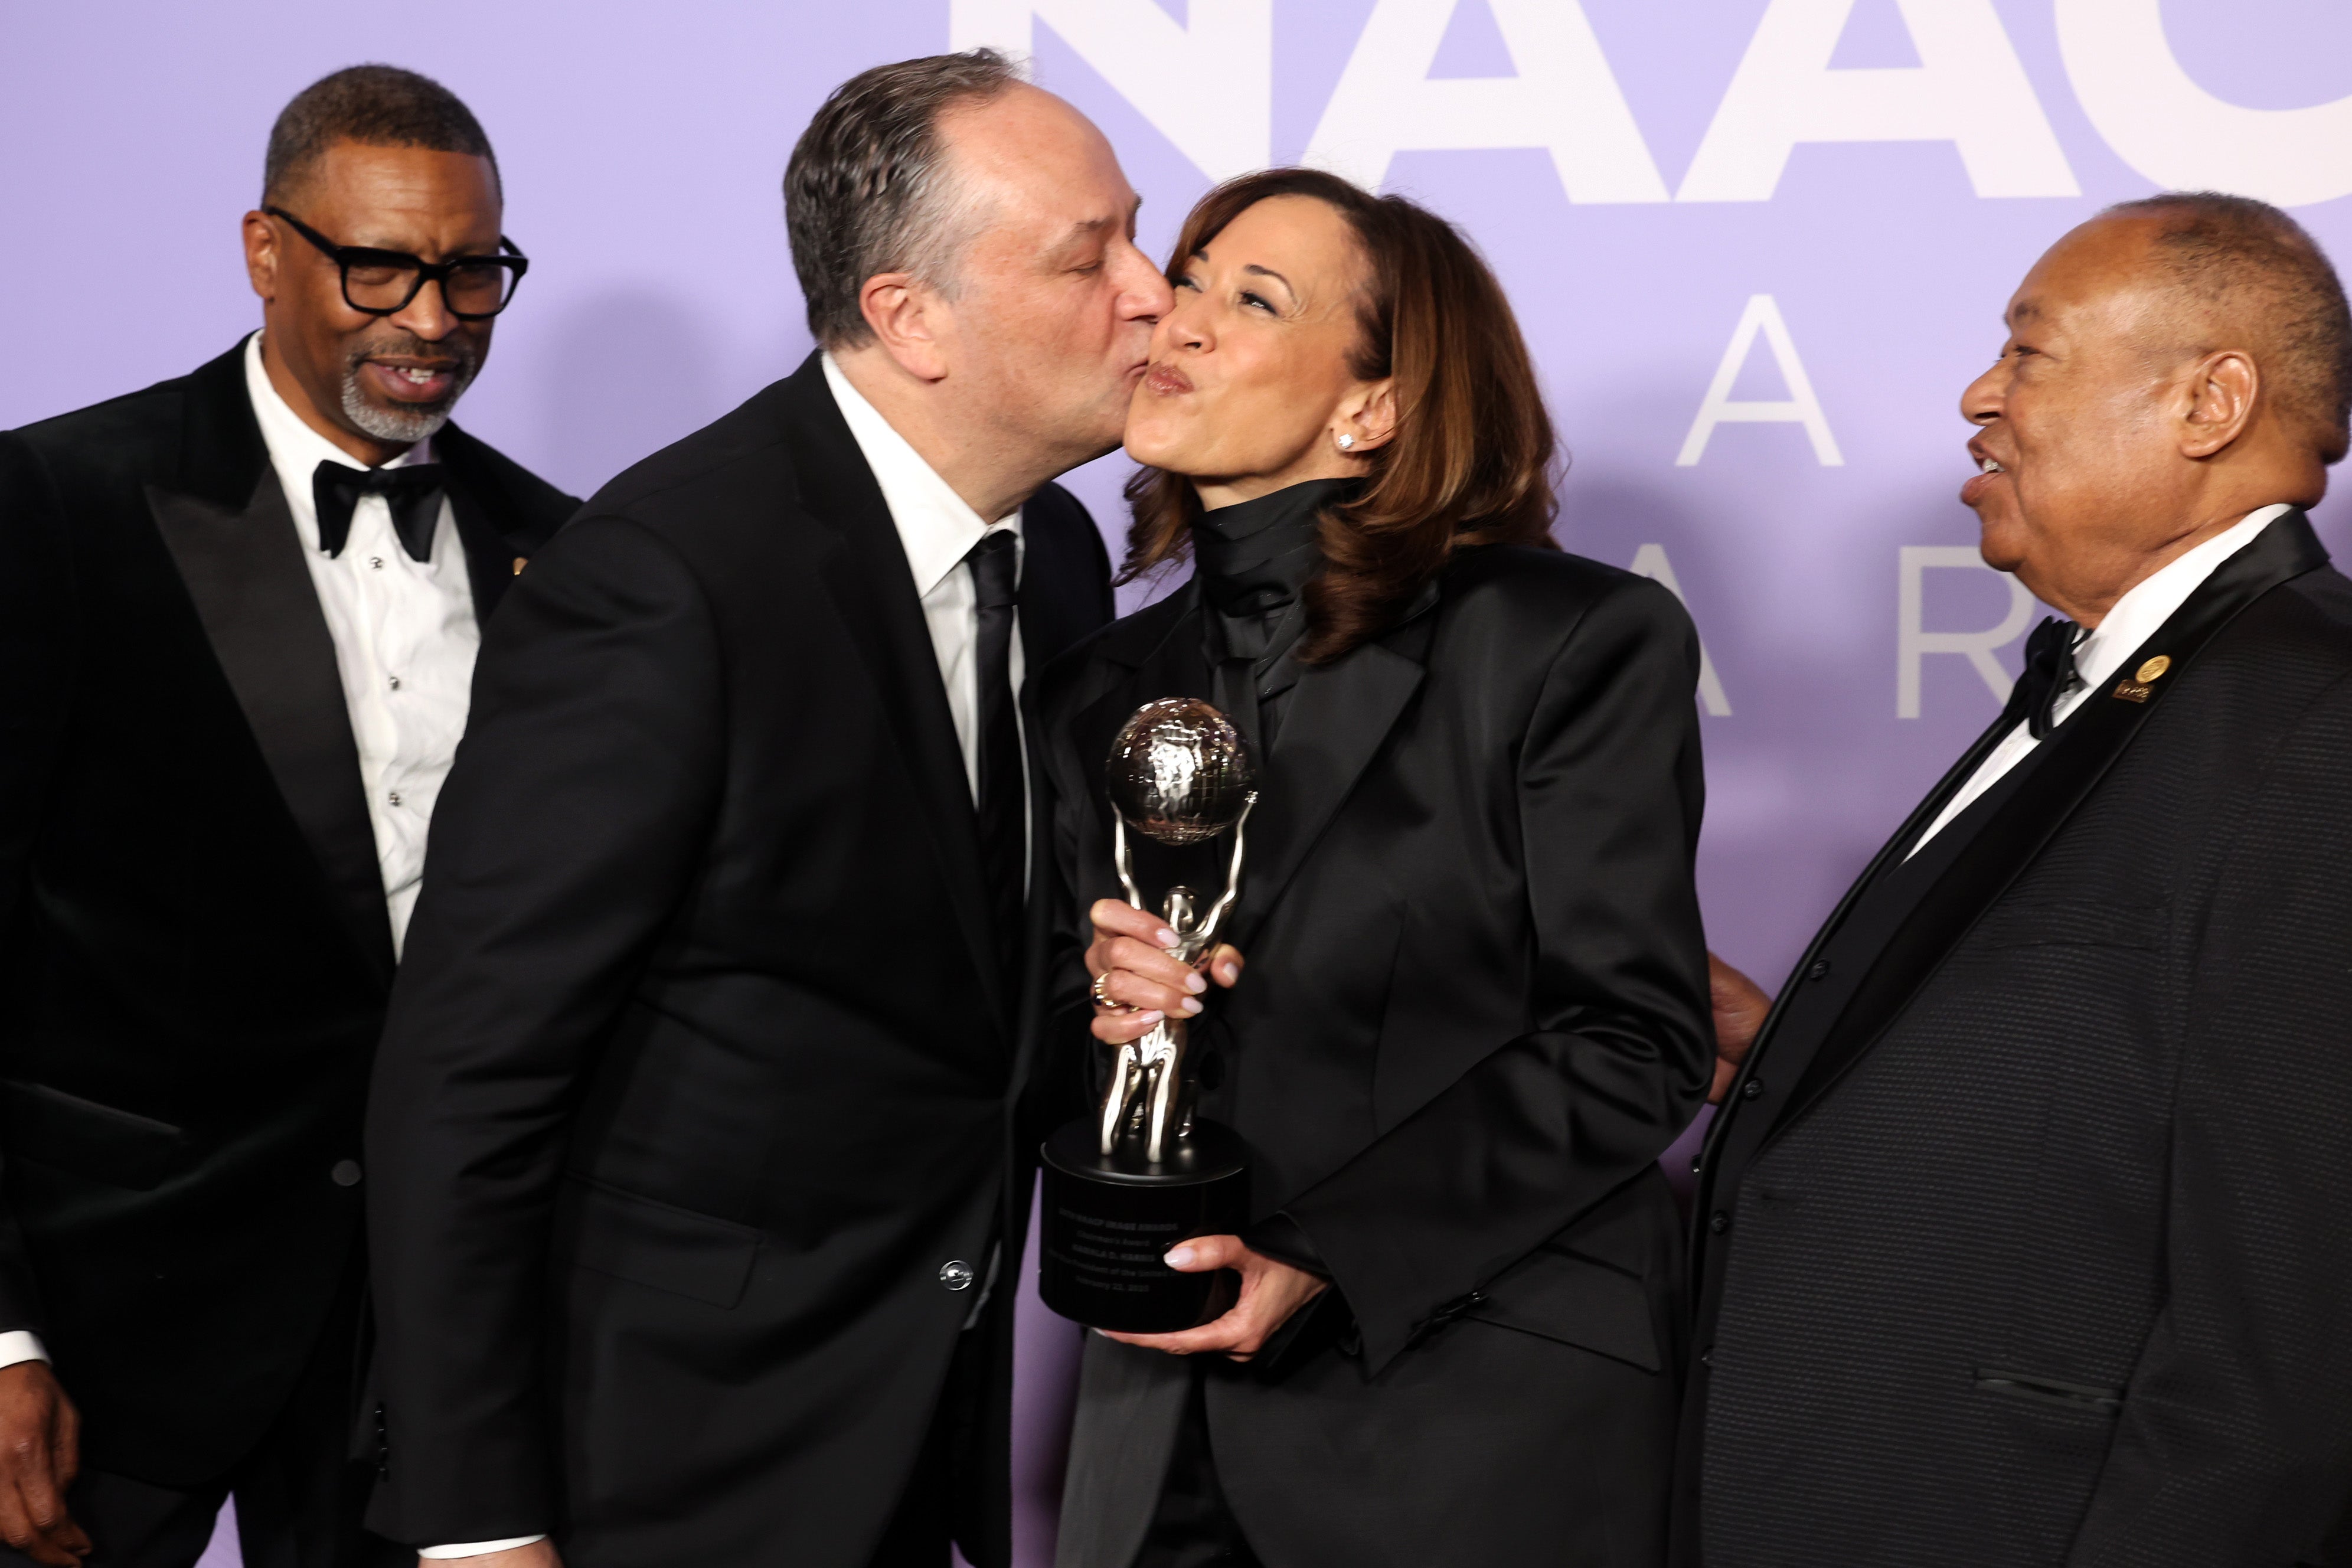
column 1475, row 1015
column 196, row 952
column 2033, row 1249
column 700, row 1070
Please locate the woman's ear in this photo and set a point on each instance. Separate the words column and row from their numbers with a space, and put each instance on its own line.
column 1370, row 417
column 900, row 312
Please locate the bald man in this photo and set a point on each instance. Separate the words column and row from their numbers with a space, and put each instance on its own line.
column 2026, row 1234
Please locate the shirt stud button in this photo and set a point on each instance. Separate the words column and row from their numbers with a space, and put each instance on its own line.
column 394, row 797
column 396, row 683
column 376, row 562
column 346, row 1174
column 957, row 1275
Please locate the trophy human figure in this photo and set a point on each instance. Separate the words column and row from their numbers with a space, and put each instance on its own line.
column 1144, row 1174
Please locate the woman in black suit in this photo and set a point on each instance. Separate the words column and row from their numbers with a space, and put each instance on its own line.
column 1475, row 1007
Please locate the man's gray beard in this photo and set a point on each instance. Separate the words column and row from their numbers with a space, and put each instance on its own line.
column 405, row 426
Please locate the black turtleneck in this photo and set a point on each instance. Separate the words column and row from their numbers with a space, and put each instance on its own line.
column 1252, row 562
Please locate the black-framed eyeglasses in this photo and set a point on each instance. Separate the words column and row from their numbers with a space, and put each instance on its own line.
column 383, row 282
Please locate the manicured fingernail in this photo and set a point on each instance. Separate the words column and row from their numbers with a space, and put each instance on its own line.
column 1180, row 1256
column 1195, row 984
column 1192, row 1004
column 1229, row 972
column 1164, row 937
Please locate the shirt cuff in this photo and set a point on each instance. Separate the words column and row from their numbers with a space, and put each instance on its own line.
column 478, row 1548
column 21, row 1344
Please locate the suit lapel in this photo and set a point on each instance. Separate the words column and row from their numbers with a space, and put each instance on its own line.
column 491, row 558
column 1065, row 579
column 1340, row 715
column 867, row 578
column 502, row 513
column 2081, row 753
column 1160, row 648
column 1889, row 855
column 222, row 454
column 1065, row 597
column 244, row 570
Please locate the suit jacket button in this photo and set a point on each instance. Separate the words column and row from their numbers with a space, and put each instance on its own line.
column 1719, row 1222
column 1820, row 970
column 957, row 1275
column 346, row 1174
column 1755, row 1088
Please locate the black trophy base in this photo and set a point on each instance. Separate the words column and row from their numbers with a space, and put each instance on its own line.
column 1109, row 1221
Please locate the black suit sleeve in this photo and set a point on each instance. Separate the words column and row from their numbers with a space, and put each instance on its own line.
column 36, row 594
column 2234, row 1429
column 570, row 826
column 1609, row 793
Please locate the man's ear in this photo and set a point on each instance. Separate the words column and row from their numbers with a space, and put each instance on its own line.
column 261, row 255
column 2223, row 390
column 905, row 318
column 1370, row 415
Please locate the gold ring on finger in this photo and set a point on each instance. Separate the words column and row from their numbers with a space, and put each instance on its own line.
column 1102, row 993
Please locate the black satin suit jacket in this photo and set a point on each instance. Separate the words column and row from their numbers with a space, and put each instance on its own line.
column 1475, row 1014
column 196, row 952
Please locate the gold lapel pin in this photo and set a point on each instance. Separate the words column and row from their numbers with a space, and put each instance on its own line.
column 521, row 561
column 2138, row 689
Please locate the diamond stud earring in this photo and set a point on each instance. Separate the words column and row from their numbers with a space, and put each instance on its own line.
column 1346, row 442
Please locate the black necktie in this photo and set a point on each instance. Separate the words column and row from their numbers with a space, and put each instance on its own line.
column 414, row 493
column 2049, row 673
column 1003, row 801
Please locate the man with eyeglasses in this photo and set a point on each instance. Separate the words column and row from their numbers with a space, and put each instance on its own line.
column 238, row 617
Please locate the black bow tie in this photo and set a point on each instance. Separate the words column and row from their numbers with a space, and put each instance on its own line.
column 2049, row 674
column 413, row 494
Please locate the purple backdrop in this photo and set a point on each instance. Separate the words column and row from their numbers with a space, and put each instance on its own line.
column 1848, row 189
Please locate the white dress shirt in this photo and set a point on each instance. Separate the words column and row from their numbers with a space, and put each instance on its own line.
column 404, row 639
column 937, row 529
column 2134, row 620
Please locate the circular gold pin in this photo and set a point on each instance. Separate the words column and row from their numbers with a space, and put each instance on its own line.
column 2154, row 668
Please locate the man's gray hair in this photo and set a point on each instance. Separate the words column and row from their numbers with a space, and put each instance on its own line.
column 2238, row 252
column 868, row 190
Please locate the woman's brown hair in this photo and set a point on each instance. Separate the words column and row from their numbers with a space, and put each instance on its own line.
column 1471, row 460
